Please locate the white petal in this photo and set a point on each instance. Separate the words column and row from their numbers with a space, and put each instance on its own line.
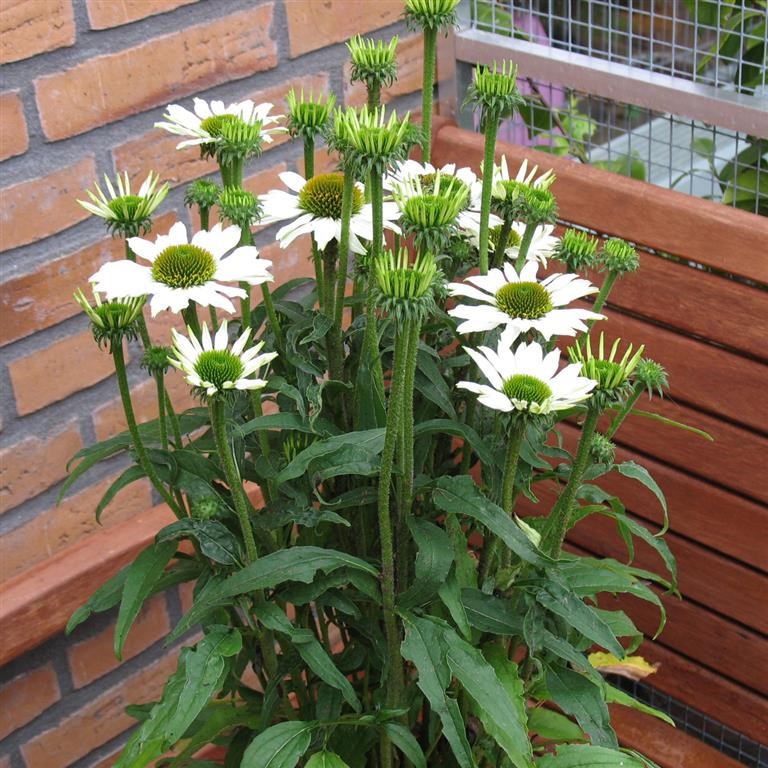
column 292, row 180
column 221, row 339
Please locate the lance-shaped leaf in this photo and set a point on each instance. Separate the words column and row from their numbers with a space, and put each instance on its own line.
column 141, row 576
column 293, row 564
column 310, row 650
column 406, row 742
column 215, row 539
column 199, row 674
column 422, row 646
column 637, row 472
column 281, row 746
column 433, row 562
column 105, row 597
column 491, row 614
column 585, row 756
column 579, row 696
column 460, row 495
column 325, row 759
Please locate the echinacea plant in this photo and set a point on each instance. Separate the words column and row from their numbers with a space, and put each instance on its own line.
column 354, row 490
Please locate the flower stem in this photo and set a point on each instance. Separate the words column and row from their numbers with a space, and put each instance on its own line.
column 394, row 420
column 491, row 129
column 138, row 446
column 309, row 157
column 371, row 339
column 500, row 249
column 560, row 516
column 224, row 449
column 374, row 95
column 525, row 244
column 605, row 290
column 428, row 84
column 618, row 419
column 190, row 318
column 160, row 385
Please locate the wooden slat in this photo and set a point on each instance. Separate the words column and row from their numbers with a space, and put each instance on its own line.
column 699, row 374
column 714, row 642
column 36, row 605
column 714, row 581
column 696, row 302
column 711, row 233
column 665, row 745
column 735, row 459
column 708, row 692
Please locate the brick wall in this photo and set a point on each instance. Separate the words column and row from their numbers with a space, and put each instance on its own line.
column 82, row 85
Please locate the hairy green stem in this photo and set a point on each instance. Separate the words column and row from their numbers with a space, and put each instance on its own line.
column 189, row 313
column 525, row 244
column 560, row 516
column 394, row 421
column 371, row 339
column 489, row 156
column 341, row 278
column 374, row 95
column 138, row 445
column 160, row 386
column 428, row 85
column 602, row 296
column 231, row 472
column 500, row 249
column 309, row 157
column 624, row 411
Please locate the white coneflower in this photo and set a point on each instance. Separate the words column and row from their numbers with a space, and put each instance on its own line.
column 204, row 124
column 316, row 209
column 523, row 176
column 521, row 303
column 526, row 379
column 209, row 366
column 123, row 211
column 180, row 271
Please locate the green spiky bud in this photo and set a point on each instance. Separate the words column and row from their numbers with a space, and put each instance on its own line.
column 155, row 360
column 521, row 202
column 577, row 250
column 373, row 62
column 651, row 376
column 619, row 256
column 309, row 115
column 611, row 374
column 494, row 91
column 205, row 508
column 204, row 194
column 369, row 141
column 112, row 321
column 430, row 14
column 407, row 291
column 239, row 206
column 602, row 450
column 239, row 141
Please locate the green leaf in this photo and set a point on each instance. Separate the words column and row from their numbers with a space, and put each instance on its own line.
column 310, row 650
column 131, row 475
column 293, row 564
column 199, row 674
column 433, row 562
column 491, row 614
column 636, row 472
column 704, row 147
column 580, row 616
column 460, row 495
column 325, row 760
column 352, row 453
column 578, row 696
column 215, row 539
column 448, row 427
column 553, row 726
column 450, row 594
column 587, row 756
column 503, row 717
column 290, row 421
column 141, row 576
column 509, row 676
column 281, row 746
column 422, row 646
column 370, row 412
column 617, row 696
column 406, row 742
column 430, row 383
column 105, row 597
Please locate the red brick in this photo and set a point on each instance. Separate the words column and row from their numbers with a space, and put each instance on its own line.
column 107, row 88
column 95, row 657
column 58, row 371
column 156, row 149
column 25, row 697
column 109, row 419
column 289, row 263
column 257, row 183
column 14, row 139
column 55, row 529
column 99, row 721
column 44, row 297
column 34, row 464
column 410, row 66
column 33, row 210
column 313, row 25
column 29, row 27
column 104, row 14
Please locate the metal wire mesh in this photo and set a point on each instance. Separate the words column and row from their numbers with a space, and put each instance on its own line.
column 689, row 720
column 702, row 41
